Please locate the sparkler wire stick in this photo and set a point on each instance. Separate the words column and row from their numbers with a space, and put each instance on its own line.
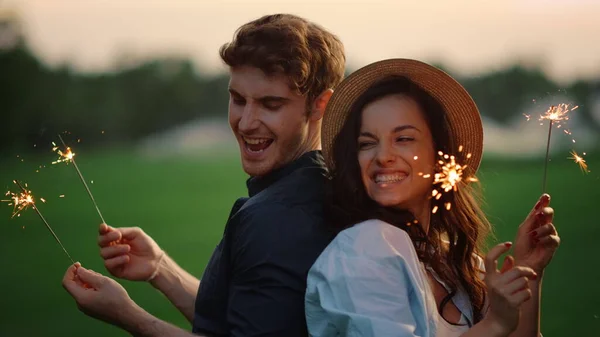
column 547, row 158
column 557, row 115
column 45, row 222
column 83, row 181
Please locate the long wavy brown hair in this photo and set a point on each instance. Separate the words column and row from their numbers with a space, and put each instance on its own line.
column 455, row 236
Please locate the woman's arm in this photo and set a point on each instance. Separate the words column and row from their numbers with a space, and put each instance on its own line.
column 529, row 324
column 368, row 283
column 535, row 244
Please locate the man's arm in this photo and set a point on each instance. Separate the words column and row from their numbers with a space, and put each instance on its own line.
column 129, row 253
column 105, row 299
column 143, row 324
column 179, row 286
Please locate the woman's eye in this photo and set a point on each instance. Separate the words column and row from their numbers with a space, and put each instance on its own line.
column 364, row 145
column 404, row 139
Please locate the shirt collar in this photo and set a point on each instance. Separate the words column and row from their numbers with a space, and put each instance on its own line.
column 309, row 159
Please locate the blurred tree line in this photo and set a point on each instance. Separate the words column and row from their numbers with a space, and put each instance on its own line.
column 37, row 102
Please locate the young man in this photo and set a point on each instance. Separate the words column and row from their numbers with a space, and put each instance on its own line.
column 283, row 70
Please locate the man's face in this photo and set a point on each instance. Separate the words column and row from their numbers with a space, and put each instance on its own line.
column 268, row 119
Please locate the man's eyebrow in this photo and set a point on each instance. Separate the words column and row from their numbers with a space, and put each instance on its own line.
column 273, row 99
column 233, row 92
column 263, row 99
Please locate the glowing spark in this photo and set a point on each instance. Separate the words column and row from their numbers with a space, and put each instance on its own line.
column 451, row 173
column 416, row 157
column 580, row 161
column 558, row 115
column 20, row 201
column 66, row 156
column 448, row 177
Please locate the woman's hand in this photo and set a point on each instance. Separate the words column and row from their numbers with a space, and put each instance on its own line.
column 537, row 239
column 507, row 290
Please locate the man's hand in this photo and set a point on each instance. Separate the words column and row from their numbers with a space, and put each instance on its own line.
column 99, row 296
column 129, row 253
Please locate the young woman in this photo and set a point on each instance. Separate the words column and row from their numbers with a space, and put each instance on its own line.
column 407, row 259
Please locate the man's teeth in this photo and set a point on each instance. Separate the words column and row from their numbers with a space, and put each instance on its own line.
column 388, row 178
column 256, row 141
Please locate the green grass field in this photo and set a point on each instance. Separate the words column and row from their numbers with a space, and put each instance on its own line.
column 183, row 204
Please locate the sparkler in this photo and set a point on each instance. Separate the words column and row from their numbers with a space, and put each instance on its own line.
column 580, row 161
column 23, row 200
column 450, row 175
column 557, row 115
column 19, row 201
column 68, row 156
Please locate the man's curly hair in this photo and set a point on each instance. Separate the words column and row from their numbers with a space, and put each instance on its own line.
column 311, row 57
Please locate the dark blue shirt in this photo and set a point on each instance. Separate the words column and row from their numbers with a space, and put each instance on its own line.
column 255, row 281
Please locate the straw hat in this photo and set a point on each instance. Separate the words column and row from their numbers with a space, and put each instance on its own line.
column 461, row 111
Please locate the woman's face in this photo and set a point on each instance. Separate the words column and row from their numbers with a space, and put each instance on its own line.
column 395, row 150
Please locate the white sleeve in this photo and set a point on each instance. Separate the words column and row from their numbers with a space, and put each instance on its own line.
column 367, row 283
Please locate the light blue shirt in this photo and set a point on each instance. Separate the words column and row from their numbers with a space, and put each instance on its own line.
column 369, row 282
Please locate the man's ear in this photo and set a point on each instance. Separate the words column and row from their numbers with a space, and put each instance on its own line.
column 319, row 105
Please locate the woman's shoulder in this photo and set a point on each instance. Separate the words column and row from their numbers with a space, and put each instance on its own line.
column 375, row 228
column 372, row 239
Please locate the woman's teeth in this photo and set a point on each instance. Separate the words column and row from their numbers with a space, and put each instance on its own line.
column 389, row 178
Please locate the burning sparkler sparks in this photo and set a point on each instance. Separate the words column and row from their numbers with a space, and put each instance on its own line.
column 558, row 115
column 68, row 156
column 23, row 200
column 64, row 157
column 450, row 174
column 20, row 201
column 580, row 161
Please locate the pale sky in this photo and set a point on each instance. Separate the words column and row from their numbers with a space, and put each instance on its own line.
column 469, row 36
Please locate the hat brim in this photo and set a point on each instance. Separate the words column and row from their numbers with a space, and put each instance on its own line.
column 466, row 128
